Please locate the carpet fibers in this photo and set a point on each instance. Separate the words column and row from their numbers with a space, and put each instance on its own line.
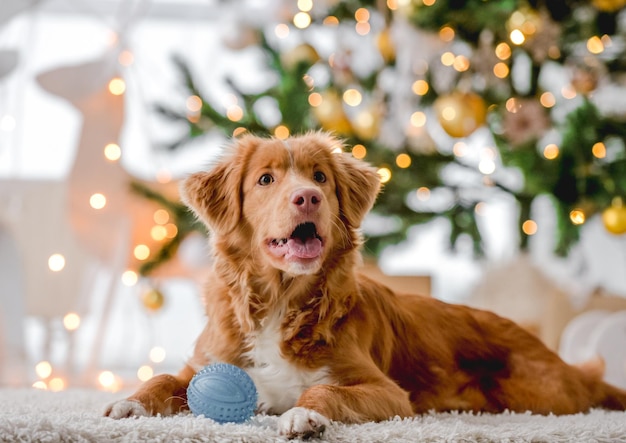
column 29, row 415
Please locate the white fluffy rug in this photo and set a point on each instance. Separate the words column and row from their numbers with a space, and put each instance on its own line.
column 75, row 416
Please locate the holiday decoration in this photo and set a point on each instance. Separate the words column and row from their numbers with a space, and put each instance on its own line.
column 614, row 217
column 388, row 77
column 460, row 114
column 222, row 392
column 153, row 299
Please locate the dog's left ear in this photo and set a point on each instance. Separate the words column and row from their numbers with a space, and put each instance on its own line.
column 358, row 184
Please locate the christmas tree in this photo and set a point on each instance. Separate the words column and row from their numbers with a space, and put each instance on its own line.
column 449, row 99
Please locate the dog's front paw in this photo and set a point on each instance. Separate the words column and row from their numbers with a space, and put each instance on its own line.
column 126, row 409
column 302, row 423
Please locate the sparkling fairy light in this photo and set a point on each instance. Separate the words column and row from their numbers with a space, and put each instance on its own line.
column 117, row 86
column 359, row 151
column 56, row 262
column 43, row 369
column 97, row 201
column 129, row 278
column 529, row 227
column 71, row 321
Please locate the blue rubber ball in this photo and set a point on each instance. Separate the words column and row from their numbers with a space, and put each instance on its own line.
column 222, row 392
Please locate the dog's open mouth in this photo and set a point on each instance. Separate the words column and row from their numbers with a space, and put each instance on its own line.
column 303, row 243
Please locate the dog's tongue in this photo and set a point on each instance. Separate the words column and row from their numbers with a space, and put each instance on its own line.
column 308, row 248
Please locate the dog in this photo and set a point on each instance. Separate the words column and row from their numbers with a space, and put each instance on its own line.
column 324, row 343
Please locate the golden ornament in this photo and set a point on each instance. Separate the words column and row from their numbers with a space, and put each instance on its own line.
column 614, row 217
column 608, row 5
column 367, row 122
column 460, row 113
column 153, row 299
column 385, row 46
column 303, row 53
column 330, row 114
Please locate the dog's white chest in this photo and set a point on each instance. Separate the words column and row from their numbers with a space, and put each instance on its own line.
column 278, row 381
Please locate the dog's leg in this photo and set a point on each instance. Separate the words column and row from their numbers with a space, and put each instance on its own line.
column 349, row 404
column 164, row 394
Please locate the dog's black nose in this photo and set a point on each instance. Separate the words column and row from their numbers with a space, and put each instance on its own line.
column 307, row 200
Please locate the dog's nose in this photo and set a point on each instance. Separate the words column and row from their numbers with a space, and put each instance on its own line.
column 306, row 200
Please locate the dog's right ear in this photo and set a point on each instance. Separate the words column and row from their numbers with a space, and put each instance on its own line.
column 215, row 195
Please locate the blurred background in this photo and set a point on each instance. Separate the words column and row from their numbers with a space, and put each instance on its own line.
column 498, row 129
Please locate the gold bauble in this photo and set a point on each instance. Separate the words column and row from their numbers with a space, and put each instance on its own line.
column 330, row 114
column 608, row 5
column 153, row 299
column 385, row 45
column 366, row 123
column 303, row 53
column 460, row 113
column 614, row 217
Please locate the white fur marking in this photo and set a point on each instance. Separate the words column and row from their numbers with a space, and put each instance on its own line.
column 278, row 381
column 126, row 409
column 302, row 422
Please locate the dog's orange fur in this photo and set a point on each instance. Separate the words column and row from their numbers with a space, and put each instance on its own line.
column 385, row 354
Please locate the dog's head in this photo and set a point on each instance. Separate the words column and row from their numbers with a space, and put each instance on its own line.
column 291, row 202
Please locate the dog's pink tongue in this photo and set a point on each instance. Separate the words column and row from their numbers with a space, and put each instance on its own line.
column 310, row 248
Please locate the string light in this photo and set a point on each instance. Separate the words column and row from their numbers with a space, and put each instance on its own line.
column 385, row 174
column 234, row 113
column 158, row 232
column 157, row 354
column 359, row 151
column 161, row 216
column 551, row 151
column 112, row 152
column 428, row 2
column 281, row 30
column 460, row 149
column 305, row 5
column 446, row 34
column 43, row 369
column 352, row 97
column 547, row 100
column 129, row 278
column 108, row 381
column 420, row 87
column 97, row 201
column 238, row 131
column 117, row 86
column 447, row 58
column 315, row 99
column 302, row 20
column 126, row 58
column 56, row 384
column 281, row 132
column 171, row 230
column 599, row 150
column 568, row 92
column 56, row 262
column 392, row 4
column 71, row 321
column 145, row 373
column 503, row 51
column 40, row 385
column 423, row 193
column 501, row 70
column 529, row 227
column 194, row 103
column 461, row 63
column 141, row 252
column 487, row 166
column 403, row 161
column 331, row 20
column 517, row 37
column 595, row 45
column 577, row 216
column 418, row 119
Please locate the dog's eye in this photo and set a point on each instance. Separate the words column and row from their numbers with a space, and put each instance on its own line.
column 266, row 179
column 319, row 177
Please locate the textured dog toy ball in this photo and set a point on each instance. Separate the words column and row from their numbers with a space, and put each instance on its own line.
column 222, row 392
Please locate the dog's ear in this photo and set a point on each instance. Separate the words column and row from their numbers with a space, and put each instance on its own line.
column 358, row 184
column 215, row 195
